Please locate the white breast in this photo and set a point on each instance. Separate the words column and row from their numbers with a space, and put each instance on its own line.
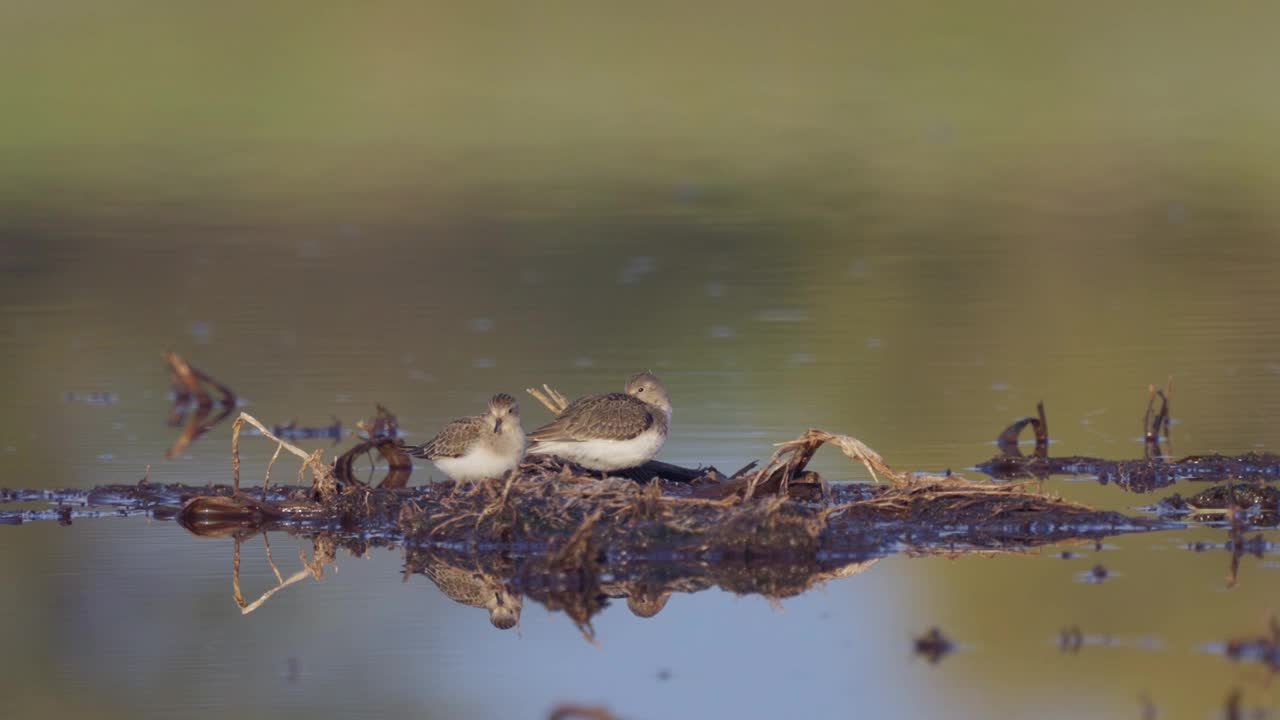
column 605, row 454
column 477, row 464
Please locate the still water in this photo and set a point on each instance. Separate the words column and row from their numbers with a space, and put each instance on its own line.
column 890, row 233
column 924, row 353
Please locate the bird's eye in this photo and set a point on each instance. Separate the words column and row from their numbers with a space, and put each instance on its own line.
column 639, row 390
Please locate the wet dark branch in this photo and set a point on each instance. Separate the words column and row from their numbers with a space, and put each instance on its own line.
column 1007, row 442
column 1138, row 475
column 1156, row 422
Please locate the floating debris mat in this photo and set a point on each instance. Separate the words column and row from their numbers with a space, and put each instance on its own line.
column 778, row 509
column 1153, row 471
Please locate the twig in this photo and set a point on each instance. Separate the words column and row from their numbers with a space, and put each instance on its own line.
column 266, row 480
column 495, row 507
column 550, row 398
column 322, row 480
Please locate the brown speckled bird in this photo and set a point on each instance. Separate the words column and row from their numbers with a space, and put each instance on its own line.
column 478, row 447
column 609, row 432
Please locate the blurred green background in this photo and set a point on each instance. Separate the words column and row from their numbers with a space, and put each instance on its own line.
column 906, row 222
column 397, row 105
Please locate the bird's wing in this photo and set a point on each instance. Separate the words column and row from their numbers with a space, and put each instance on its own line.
column 615, row 416
column 453, row 440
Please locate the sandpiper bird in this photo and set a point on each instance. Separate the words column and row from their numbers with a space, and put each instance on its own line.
column 609, row 432
column 478, row 447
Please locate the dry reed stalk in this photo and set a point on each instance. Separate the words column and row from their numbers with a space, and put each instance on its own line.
column 550, row 398
column 322, row 479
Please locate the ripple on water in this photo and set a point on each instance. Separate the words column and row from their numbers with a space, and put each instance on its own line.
column 636, row 268
column 782, row 315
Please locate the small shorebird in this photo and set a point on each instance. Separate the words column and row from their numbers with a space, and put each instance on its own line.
column 609, row 432
column 478, row 447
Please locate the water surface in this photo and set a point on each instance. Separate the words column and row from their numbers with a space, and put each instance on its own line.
column 883, row 231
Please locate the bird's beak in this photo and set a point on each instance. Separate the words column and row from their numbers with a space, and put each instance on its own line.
column 497, row 425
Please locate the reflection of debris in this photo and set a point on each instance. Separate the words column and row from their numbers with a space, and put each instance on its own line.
column 933, row 646
column 1135, row 475
column 1238, row 508
column 92, row 398
column 1095, row 574
column 193, row 402
column 1237, row 520
column 570, row 711
column 631, row 550
column 1235, row 709
column 1263, row 648
column 1232, row 710
column 1070, row 639
column 323, row 553
column 1237, row 543
column 1148, row 707
column 240, row 518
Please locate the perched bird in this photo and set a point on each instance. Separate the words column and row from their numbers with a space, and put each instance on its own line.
column 609, row 432
column 478, row 447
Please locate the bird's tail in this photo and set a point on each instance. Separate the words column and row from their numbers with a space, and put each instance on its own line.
column 418, row 451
